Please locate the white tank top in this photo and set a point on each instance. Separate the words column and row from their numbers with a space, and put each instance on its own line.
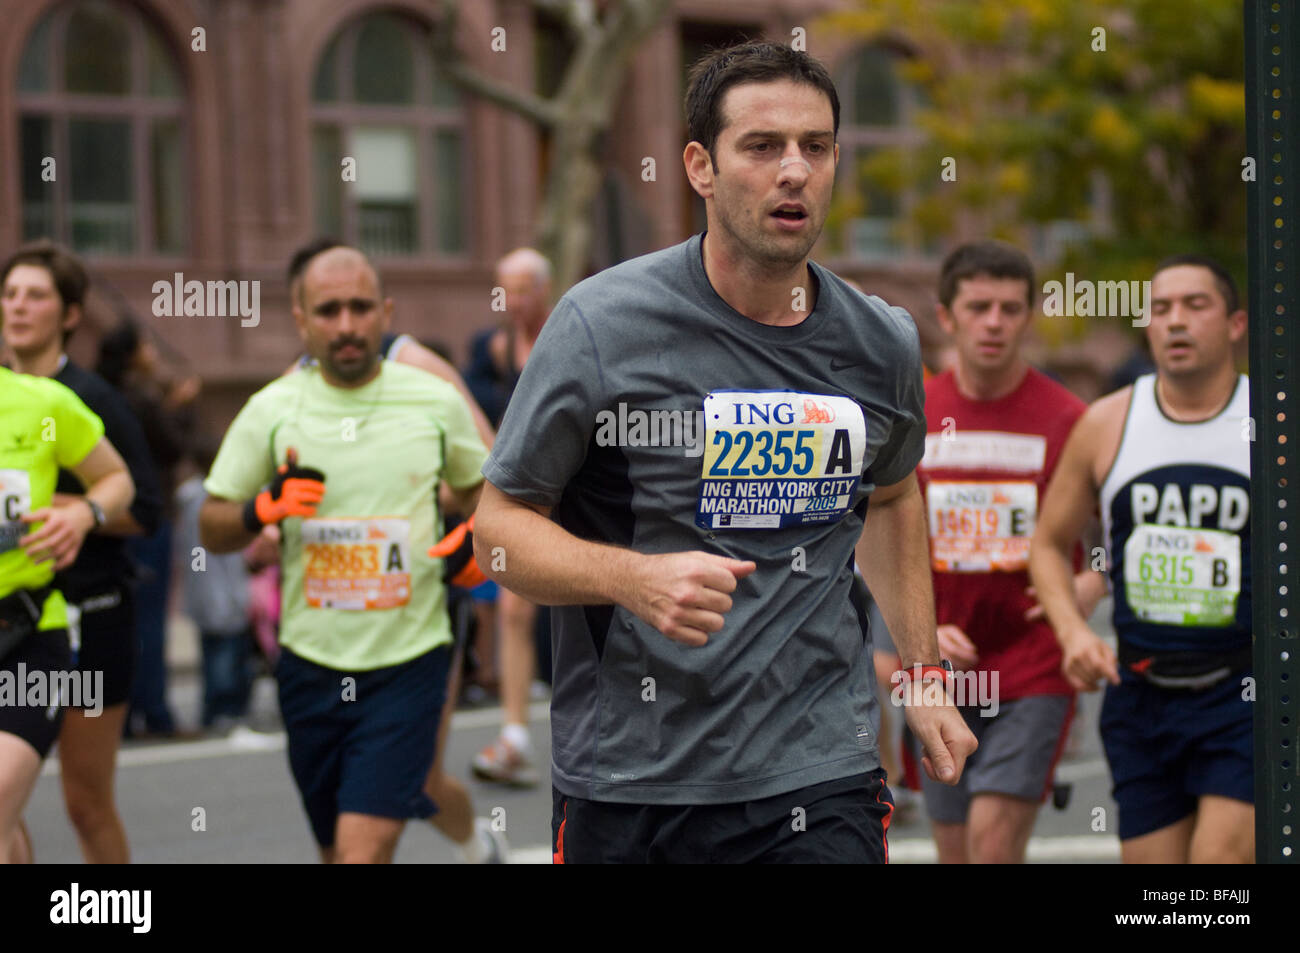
column 1175, row 508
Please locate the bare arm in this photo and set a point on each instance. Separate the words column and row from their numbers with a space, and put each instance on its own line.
column 108, row 484
column 123, row 524
column 221, row 525
column 1066, row 509
column 894, row 553
column 683, row 595
column 465, row 501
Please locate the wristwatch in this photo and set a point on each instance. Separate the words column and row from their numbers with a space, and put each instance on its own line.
column 97, row 512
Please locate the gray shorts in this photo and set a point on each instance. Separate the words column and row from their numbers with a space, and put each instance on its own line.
column 1018, row 750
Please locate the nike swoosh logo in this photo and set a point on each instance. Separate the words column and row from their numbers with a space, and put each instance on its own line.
column 837, row 365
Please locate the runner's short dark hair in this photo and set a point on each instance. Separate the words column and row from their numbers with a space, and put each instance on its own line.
column 992, row 258
column 66, row 271
column 303, row 256
column 1222, row 277
column 756, row 61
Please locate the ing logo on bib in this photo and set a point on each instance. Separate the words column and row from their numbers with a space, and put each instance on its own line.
column 779, row 458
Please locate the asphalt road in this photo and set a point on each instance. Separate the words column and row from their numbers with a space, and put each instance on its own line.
column 251, row 811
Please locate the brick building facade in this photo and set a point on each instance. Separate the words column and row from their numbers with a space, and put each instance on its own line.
column 204, row 137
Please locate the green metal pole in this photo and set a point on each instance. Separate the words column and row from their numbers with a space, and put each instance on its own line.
column 1273, row 232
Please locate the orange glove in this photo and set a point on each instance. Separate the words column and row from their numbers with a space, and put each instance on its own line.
column 295, row 491
column 457, row 548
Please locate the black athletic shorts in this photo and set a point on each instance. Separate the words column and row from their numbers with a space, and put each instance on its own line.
column 838, row 822
column 30, row 716
column 106, row 630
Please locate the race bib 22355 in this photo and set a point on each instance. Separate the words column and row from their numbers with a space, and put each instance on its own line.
column 779, row 458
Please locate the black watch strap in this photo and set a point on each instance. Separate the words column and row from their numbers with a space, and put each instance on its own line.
column 97, row 512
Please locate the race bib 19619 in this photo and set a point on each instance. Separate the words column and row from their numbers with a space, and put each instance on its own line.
column 1180, row 576
column 981, row 527
column 779, row 458
column 15, row 500
column 356, row 563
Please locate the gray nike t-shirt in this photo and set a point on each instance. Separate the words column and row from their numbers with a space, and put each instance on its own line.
column 653, row 416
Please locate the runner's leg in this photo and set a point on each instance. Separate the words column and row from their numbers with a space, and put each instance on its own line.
column 455, row 817
column 1168, row 845
column 517, row 655
column 87, row 758
column 950, row 840
column 1224, row 832
column 20, row 765
column 366, row 839
column 998, row 828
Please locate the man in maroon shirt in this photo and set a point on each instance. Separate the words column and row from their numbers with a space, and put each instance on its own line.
column 995, row 428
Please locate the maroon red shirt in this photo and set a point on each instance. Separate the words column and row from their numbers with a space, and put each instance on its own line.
column 986, row 467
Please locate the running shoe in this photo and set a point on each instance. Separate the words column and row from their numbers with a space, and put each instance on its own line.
column 503, row 763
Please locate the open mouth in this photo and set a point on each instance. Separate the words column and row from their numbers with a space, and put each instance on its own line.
column 790, row 214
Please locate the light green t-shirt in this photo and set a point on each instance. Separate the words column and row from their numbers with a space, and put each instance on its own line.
column 359, row 591
column 44, row 426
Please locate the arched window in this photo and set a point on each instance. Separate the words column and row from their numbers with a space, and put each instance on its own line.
column 377, row 99
column 102, row 130
column 876, row 129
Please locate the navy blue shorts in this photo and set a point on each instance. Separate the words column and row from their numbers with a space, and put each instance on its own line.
column 845, row 821
column 1168, row 747
column 369, row 754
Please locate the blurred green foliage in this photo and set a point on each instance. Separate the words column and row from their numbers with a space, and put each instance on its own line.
column 1040, row 122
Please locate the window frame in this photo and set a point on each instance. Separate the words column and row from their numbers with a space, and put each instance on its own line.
column 424, row 118
column 854, row 140
column 138, row 109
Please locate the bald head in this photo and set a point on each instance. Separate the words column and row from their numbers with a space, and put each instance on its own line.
column 525, row 274
column 528, row 262
column 333, row 263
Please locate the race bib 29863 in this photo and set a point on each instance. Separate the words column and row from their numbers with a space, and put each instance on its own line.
column 356, row 563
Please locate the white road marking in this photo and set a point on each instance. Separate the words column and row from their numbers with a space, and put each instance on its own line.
column 248, row 742
column 1069, row 773
column 531, row 855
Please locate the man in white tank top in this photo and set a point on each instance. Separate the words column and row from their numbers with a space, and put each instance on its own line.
column 1168, row 461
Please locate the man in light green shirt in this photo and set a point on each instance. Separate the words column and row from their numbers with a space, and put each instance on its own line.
column 353, row 450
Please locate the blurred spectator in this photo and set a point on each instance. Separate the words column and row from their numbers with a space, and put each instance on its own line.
column 496, row 359
column 263, row 557
column 215, row 587
column 129, row 362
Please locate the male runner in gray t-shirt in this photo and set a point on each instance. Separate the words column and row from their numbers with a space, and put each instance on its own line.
column 690, row 453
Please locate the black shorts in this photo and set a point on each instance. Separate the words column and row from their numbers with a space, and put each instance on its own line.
column 368, row 754
column 107, row 643
column 30, row 716
column 837, row 822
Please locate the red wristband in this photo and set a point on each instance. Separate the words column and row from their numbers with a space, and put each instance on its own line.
column 922, row 672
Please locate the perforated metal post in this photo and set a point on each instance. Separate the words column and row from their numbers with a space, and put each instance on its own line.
column 1273, row 137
